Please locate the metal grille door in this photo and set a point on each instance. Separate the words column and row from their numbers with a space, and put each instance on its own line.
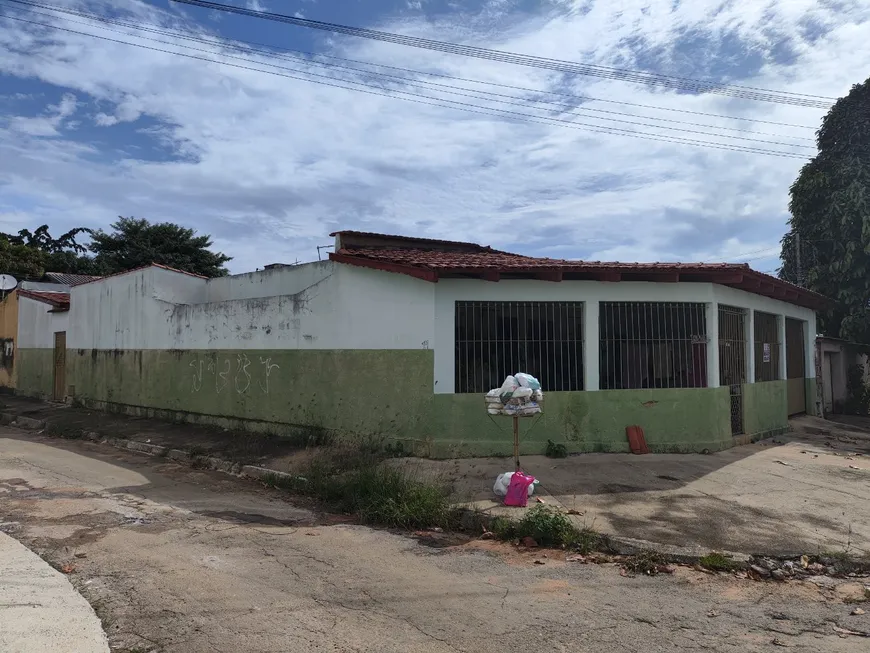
column 59, row 365
column 732, row 360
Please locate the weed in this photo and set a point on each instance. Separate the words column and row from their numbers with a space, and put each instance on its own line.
column 588, row 541
column 556, row 450
column 715, row 561
column 548, row 527
column 837, row 556
column 376, row 493
column 503, row 528
column 648, row 563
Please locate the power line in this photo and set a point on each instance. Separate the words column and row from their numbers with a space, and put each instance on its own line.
column 607, row 72
column 455, row 90
column 439, row 102
column 271, row 50
column 758, row 251
column 488, row 97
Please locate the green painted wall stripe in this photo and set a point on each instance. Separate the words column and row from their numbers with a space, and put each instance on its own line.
column 389, row 393
column 35, row 372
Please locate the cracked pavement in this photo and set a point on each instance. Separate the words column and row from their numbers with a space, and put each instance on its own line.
column 181, row 560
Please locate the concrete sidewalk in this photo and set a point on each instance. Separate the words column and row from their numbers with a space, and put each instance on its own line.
column 40, row 611
column 807, row 491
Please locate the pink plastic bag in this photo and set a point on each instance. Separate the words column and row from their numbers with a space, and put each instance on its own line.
column 518, row 490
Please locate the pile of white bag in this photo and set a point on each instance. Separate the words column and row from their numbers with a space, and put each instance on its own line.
column 520, row 394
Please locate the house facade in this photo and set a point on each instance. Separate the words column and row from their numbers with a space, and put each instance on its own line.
column 398, row 338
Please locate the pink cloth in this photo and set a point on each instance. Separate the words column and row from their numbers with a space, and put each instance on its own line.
column 518, row 490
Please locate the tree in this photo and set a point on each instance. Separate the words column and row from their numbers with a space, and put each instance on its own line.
column 30, row 254
column 21, row 261
column 830, row 212
column 136, row 242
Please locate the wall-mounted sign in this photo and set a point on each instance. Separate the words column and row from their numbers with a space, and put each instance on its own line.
column 766, row 349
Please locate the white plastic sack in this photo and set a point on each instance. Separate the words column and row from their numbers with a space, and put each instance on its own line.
column 527, row 381
column 501, row 484
column 507, row 388
column 522, row 394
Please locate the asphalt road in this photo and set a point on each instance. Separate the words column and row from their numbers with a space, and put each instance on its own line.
column 179, row 560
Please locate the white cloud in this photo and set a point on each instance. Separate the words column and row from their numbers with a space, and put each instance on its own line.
column 48, row 124
column 270, row 165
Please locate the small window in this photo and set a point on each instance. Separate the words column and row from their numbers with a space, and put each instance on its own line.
column 767, row 347
column 495, row 339
column 652, row 345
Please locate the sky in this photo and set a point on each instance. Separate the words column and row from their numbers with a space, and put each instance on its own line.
column 269, row 151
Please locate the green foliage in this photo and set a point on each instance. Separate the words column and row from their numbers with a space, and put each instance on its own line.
column 136, row 242
column 548, row 527
column 715, row 561
column 556, row 450
column 377, row 493
column 133, row 243
column 29, row 255
column 20, row 261
column 858, row 393
column 830, row 209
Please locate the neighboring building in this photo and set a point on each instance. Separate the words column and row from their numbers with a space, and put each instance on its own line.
column 8, row 337
column 399, row 338
column 25, row 305
column 837, row 361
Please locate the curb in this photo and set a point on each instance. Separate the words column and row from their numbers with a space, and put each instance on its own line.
column 153, row 450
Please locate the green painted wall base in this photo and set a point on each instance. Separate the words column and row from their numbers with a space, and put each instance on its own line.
column 765, row 409
column 35, row 372
column 387, row 396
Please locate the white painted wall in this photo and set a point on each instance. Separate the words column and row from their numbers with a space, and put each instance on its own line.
column 315, row 306
column 37, row 325
column 117, row 312
column 449, row 291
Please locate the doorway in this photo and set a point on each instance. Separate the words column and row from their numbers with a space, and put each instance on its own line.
column 732, row 360
column 59, row 366
column 795, row 365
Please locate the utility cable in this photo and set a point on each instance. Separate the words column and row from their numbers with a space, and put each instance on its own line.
column 458, row 92
column 606, row 72
column 308, row 57
column 439, row 102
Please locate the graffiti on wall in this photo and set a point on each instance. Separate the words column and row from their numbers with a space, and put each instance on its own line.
column 7, row 353
column 232, row 373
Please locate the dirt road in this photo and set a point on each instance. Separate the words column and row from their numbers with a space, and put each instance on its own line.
column 179, row 560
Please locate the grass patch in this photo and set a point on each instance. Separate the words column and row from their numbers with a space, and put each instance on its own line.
column 715, row 561
column 361, row 484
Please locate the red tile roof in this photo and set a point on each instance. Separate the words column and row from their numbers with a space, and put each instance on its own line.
column 59, row 300
column 433, row 259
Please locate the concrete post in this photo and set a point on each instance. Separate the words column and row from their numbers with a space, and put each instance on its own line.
column 591, row 345
column 713, row 345
column 750, row 345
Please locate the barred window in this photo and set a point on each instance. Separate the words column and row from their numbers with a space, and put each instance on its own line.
column 652, row 345
column 767, row 347
column 495, row 339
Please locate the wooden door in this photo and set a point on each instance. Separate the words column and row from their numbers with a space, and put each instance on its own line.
column 795, row 359
column 59, row 365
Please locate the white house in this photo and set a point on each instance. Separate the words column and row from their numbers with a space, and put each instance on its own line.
column 399, row 337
